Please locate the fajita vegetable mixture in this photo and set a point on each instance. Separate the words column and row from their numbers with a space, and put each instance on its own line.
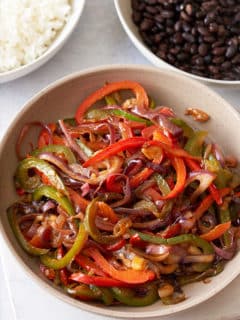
column 126, row 203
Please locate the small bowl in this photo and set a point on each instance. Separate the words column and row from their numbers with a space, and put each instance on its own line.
column 60, row 100
column 58, row 42
column 124, row 12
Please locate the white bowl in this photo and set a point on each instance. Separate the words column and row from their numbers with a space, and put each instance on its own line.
column 64, row 34
column 124, row 12
column 60, row 100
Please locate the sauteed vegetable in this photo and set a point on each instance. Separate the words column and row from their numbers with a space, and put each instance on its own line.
column 126, row 202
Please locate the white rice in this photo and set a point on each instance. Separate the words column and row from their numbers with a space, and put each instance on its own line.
column 27, row 29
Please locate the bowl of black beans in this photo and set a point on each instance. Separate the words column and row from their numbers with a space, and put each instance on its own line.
column 200, row 38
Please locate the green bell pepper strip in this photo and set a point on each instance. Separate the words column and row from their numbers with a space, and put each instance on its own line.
column 59, row 149
column 105, row 294
column 187, row 130
column 194, row 145
column 29, row 184
column 83, row 292
column 53, row 193
column 71, row 121
column 183, row 238
column 57, row 264
column 165, row 190
column 89, row 223
column 110, row 101
column 99, row 114
column 203, row 244
column 215, row 270
column 224, row 175
column 152, row 103
column 88, row 152
column 34, row 251
column 225, row 216
column 127, row 296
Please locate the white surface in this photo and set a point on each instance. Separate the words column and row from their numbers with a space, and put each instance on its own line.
column 98, row 39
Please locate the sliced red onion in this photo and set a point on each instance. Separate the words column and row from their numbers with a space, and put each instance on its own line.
column 202, row 258
column 160, row 119
column 133, row 166
column 155, row 249
column 224, row 253
column 48, row 206
column 104, row 224
column 72, row 144
column 25, row 130
column 151, row 225
column 133, row 212
column 59, row 163
column 127, row 194
column 218, row 154
column 204, row 177
column 85, row 188
column 159, row 168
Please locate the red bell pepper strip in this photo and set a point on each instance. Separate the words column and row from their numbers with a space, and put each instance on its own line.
column 112, row 185
column 140, row 177
column 77, row 199
column 107, row 212
column 141, row 96
column 62, row 272
column 129, row 276
column 171, row 231
column 175, row 151
column 212, row 188
column 136, row 241
column 181, row 173
column 88, row 265
column 216, row 232
column 115, row 246
column 97, row 280
column 207, row 202
column 115, row 148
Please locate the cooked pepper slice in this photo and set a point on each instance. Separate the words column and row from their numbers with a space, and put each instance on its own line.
column 59, row 149
column 128, row 276
column 115, row 148
column 56, row 264
column 181, row 173
column 203, row 244
column 99, row 114
column 29, row 183
column 216, row 232
column 187, row 130
column 129, row 297
column 34, row 251
column 53, row 193
column 141, row 96
column 89, row 223
column 194, row 144
column 101, row 281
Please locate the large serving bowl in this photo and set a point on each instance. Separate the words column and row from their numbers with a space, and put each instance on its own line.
column 63, row 35
column 60, row 100
column 124, row 11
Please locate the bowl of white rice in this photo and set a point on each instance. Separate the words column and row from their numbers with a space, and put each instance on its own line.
column 31, row 32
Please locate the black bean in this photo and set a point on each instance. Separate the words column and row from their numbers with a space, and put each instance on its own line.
column 203, row 31
column 188, row 37
column 218, row 51
column 226, row 65
column 182, row 56
column 213, row 27
column 231, row 51
column 201, row 37
column 203, row 49
column 218, row 59
column 146, row 24
column 167, row 14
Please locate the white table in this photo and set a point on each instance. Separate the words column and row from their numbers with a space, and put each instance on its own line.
column 98, row 39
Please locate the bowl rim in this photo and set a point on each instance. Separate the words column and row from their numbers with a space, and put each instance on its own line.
column 139, row 44
column 56, row 45
column 47, row 286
